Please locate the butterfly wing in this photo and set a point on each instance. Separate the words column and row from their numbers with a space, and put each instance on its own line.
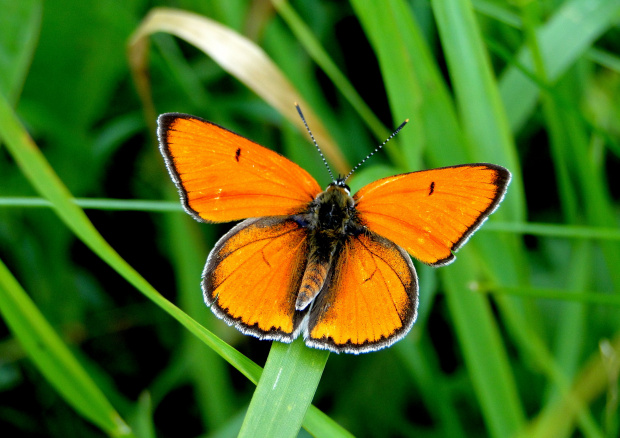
column 223, row 177
column 371, row 299
column 433, row 212
column 253, row 275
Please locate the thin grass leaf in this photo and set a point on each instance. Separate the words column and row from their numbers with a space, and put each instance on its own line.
column 415, row 88
column 53, row 358
column 98, row 204
column 554, row 230
column 583, row 296
column 422, row 361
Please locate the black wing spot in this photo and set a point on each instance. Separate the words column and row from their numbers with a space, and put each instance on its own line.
column 237, row 154
column 432, row 188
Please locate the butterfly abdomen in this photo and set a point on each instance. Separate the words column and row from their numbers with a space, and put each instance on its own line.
column 313, row 281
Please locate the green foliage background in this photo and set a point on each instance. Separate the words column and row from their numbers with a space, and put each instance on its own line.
column 519, row 337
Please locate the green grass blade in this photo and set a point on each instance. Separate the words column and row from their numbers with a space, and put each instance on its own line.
column 19, row 33
column 97, row 204
column 563, row 39
column 285, row 390
column 584, row 296
column 485, row 355
column 531, row 228
column 53, row 359
column 554, row 230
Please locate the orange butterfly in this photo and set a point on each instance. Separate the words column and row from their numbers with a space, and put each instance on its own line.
column 323, row 263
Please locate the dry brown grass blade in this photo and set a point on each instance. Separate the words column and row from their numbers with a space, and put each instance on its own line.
column 236, row 54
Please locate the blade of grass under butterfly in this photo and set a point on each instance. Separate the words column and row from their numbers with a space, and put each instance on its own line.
column 285, row 390
column 237, row 55
column 563, row 39
column 54, row 359
column 46, row 182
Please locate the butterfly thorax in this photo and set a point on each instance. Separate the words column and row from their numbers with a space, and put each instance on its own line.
column 330, row 219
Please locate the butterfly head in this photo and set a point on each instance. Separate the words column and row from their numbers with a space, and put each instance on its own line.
column 340, row 182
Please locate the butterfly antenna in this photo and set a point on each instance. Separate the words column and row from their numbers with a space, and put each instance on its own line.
column 377, row 148
column 331, row 175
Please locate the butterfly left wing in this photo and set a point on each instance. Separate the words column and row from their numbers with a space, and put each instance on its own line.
column 432, row 212
column 223, row 177
column 371, row 299
column 253, row 275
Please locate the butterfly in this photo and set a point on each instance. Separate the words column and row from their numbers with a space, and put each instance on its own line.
column 332, row 266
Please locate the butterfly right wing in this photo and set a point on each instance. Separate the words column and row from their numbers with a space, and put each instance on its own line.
column 253, row 274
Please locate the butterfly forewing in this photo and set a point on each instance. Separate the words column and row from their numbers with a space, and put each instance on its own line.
column 371, row 300
column 253, row 275
column 223, row 176
column 432, row 213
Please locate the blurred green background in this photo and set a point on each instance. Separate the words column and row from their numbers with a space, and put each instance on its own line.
column 519, row 337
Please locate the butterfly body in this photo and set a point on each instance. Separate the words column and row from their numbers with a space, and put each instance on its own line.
column 330, row 219
column 325, row 264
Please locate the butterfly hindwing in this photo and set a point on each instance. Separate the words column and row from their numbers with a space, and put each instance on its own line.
column 432, row 212
column 253, row 275
column 223, row 176
column 370, row 300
